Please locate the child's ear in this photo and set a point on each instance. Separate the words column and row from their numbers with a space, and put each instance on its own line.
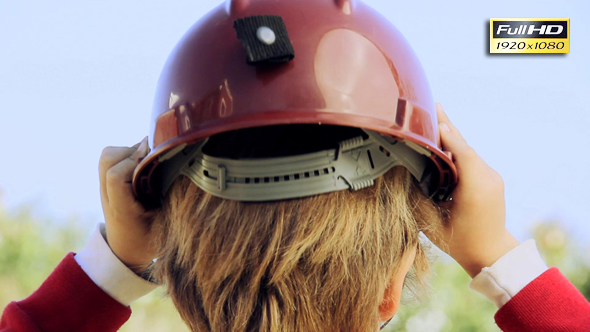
column 391, row 299
column 393, row 293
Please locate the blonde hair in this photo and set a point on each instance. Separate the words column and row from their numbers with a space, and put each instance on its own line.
column 320, row 263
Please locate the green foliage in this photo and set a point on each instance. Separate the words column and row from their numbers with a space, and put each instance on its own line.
column 557, row 249
column 31, row 247
column 29, row 250
column 452, row 306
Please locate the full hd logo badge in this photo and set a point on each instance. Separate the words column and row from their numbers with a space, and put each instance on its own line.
column 528, row 35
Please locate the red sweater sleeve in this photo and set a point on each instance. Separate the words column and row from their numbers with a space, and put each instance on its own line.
column 67, row 301
column 550, row 303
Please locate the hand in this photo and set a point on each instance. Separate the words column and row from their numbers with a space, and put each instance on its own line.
column 128, row 224
column 474, row 234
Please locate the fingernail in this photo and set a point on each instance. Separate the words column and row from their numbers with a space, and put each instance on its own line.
column 142, row 146
column 445, row 127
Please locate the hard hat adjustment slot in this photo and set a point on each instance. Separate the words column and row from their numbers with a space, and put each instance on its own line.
column 348, row 145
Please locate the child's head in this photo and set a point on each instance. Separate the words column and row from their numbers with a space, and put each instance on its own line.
column 329, row 262
column 319, row 254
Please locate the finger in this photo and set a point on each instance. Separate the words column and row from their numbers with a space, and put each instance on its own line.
column 118, row 179
column 455, row 143
column 111, row 156
column 443, row 118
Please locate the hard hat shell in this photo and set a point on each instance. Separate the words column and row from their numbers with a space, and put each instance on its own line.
column 352, row 67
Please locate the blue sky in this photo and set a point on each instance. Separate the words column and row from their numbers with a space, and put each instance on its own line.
column 76, row 76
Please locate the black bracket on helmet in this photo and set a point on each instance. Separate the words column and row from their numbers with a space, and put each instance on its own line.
column 265, row 39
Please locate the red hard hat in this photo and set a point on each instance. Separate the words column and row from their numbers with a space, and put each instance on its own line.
column 351, row 67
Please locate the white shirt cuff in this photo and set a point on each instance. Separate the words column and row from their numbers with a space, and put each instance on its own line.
column 109, row 273
column 511, row 273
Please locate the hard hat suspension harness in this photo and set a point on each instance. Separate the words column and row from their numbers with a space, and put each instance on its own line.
column 353, row 165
